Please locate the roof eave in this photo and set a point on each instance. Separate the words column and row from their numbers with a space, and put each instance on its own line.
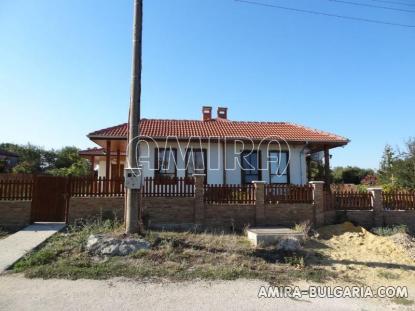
column 337, row 143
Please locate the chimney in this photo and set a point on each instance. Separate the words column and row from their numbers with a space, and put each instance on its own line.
column 223, row 113
column 207, row 113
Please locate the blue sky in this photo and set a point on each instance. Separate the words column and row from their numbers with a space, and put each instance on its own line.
column 65, row 68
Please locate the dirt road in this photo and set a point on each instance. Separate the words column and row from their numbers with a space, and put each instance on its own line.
column 19, row 293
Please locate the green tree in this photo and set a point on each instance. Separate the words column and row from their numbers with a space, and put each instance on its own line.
column 3, row 164
column 316, row 170
column 350, row 174
column 385, row 172
column 68, row 162
column 397, row 169
column 34, row 159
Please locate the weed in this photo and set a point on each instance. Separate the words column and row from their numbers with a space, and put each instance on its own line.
column 388, row 275
column 388, row 231
column 173, row 255
column 303, row 227
column 403, row 301
column 297, row 261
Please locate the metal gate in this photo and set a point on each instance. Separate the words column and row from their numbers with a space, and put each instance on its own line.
column 49, row 201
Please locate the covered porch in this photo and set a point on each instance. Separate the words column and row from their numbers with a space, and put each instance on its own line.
column 109, row 161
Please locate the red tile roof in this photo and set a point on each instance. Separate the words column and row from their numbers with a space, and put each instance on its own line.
column 96, row 152
column 183, row 129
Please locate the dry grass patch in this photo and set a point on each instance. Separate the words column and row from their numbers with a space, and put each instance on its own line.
column 174, row 256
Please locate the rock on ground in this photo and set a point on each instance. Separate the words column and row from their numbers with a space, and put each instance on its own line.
column 106, row 245
column 289, row 244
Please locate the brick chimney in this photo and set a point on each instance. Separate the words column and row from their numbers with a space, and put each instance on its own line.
column 222, row 113
column 206, row 113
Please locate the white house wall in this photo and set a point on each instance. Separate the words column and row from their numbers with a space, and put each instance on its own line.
column 215, row 161
column 101, row 168
column 297, row 163
column 213, row 152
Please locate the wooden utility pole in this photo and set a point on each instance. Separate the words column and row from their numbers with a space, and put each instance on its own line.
column 132, row 210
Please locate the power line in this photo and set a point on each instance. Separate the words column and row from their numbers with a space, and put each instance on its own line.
column 372, row 6
column 374, row 21
column 395, row 2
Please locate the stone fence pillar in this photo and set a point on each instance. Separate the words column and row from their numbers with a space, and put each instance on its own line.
column 377, row 204
column 199, row 208
column 318, row 202
column 259, row 202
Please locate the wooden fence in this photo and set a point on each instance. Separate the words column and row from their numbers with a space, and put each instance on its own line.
column 348, row 200
column 170, row 187
column 16, row 189
column 229, row 194
column 284, row 193
column 399, row 200
column 95, row 187
column 16, row 176
column 22, row 188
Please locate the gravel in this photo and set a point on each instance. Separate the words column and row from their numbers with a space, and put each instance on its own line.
column 19, row 293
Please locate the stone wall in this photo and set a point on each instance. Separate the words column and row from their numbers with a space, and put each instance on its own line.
column 362, row 218
column 14, row 214
column 400, row 218
column 228, row 216
column 288, row 214
column 171, row 213
column 180, row 213
column 89, row 207
column 188, row 212
column 330, row 217
column 366, row 218
column 164, row 212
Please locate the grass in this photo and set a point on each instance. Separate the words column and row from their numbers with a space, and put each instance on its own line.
column 176, row 256
column 388, row 231
column 403, row 301
column 303, row 228
column 388, row 275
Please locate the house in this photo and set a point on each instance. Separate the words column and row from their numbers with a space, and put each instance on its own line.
column 227, row 152
column 8, row 160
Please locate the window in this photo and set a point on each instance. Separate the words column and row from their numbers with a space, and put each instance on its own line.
column 196, row 162
column 251, row 163
column 278, row 167
column 165, row 162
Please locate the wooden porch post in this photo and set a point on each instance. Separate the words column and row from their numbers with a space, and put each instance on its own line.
column 92, row 164
column 118, row 163
column 223, row 162
column 327, row 167
column 108, row 160
column 308, row 164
